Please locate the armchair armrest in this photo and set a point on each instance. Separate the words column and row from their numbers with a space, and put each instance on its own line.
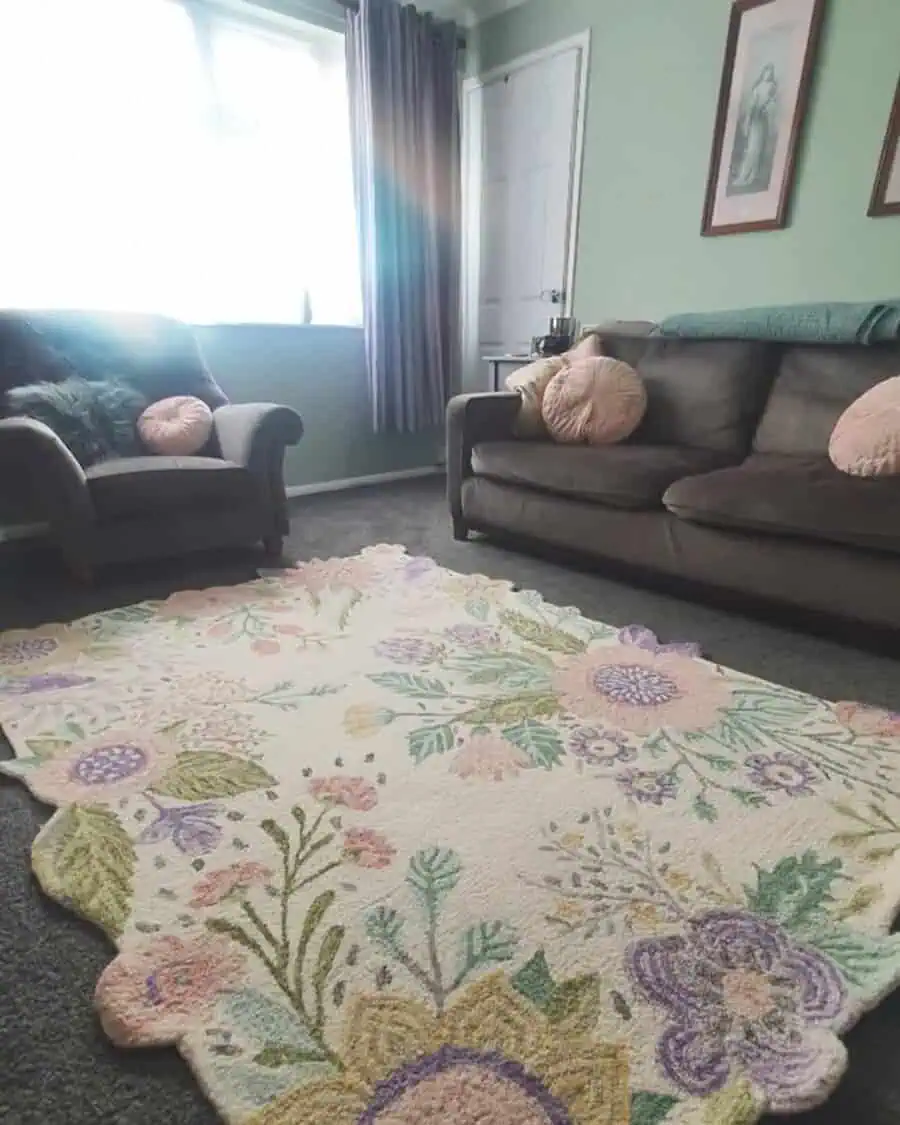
column 252, row 434
column 470, row 419
column 57, row 480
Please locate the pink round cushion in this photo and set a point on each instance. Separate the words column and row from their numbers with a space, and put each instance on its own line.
column 866, row 440
column 176, row 427
column 599, row 401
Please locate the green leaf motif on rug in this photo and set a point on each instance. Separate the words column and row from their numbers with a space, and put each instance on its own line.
column 796, row 891
column 44, row 748
column 427, row 741
column 870, row 963
column 514, row 671
column 488, row 943
column 543, row 636
column 270, row 1025
column 513, row 709
column 652, row 1109
column 541, row 743
column 576, row 1000
column 413, row 687
column 205, row 775
column 479, row 608
column 535, row 982
column 87, row 860
column 434, row 873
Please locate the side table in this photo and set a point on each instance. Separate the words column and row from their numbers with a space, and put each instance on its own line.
column 498, row 361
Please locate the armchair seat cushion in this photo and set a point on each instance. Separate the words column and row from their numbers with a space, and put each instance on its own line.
column 133, row 486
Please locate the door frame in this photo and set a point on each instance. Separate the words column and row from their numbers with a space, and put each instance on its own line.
column 471, row 181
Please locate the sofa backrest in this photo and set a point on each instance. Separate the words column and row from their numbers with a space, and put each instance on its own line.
column 158, row 356
column 705, row 394
column 814, row 386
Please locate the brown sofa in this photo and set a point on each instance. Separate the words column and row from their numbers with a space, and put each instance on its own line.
column 726, row 483
column 133, row 507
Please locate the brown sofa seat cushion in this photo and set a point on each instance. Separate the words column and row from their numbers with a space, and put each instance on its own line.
column 814, row 387
column 623, row 476
column 799, row 496
column 133, row 486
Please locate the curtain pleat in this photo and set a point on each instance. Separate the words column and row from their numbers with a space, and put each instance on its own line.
column 404, row 102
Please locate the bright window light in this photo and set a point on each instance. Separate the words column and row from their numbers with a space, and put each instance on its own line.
column 171, row 157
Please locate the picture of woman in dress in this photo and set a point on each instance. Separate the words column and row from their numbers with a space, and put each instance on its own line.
column 753, row 156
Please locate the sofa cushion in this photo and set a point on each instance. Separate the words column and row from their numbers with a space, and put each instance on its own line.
column 624, row 476
column 598, row 400
column 799, row 496
column 132, row 486
column 814, row 387
column 866, row 440
column 707, row 394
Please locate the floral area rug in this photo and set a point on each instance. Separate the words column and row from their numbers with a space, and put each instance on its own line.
column 379, row 844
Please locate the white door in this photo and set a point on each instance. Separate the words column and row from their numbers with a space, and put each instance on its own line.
column 522, row 147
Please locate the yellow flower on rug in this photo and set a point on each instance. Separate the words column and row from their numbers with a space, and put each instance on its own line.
column 491, row 1056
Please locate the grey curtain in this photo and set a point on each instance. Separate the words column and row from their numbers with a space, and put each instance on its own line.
column 404, row 107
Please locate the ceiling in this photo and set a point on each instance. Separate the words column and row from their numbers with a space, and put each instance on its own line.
column 469, row 12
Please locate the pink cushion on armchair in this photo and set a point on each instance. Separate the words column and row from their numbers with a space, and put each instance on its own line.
column 176, row 427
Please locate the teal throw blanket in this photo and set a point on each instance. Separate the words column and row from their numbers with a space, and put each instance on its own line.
column 872, row 322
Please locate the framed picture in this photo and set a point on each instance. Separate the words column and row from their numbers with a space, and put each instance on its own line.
column 886, row 193
column 766, row 79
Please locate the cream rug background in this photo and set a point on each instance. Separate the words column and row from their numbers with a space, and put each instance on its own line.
column 376, row 840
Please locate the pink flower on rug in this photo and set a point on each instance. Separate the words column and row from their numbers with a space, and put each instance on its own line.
column 485, row 757
column 229, row 882
column 320, row 575
column 353, row 792
column 204, row 603
column 262, row 646
column 104, row 768
column 153, row 993
column 630, row 688
column 873, row 721
column 367, row 848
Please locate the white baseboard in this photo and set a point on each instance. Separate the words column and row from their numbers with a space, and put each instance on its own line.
column 294, row 490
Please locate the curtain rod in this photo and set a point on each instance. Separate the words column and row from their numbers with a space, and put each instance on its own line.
column 353, row 6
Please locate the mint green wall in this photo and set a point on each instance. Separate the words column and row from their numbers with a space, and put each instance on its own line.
column 321, row 372
column 655, row 70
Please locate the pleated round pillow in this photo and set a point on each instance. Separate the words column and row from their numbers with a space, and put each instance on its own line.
column 599, row 401
column 176, row 427
column 866, row 440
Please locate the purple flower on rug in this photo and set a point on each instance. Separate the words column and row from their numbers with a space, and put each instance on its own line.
column 647, row 787
column 600, row 747
column 464, row 1079
column 45, row 681
column 409, row 650
column 475, row 636
column 741, row 995
column 418, row 568
column 191, row 828
column 782, row 771
column 26, row 649
column 645, row 639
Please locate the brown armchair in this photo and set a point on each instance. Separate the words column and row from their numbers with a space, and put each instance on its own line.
column 128, row 508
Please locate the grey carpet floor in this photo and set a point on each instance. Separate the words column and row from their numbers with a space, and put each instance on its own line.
column 56, row 1067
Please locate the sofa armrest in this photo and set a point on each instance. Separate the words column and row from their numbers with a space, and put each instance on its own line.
column 254, row 434
column 58, row 482
column 489, row 416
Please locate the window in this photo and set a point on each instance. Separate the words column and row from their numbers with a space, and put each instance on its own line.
column 172, row 156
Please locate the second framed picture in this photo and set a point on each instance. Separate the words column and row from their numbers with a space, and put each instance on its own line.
column 766, row 79
column 886, row 193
